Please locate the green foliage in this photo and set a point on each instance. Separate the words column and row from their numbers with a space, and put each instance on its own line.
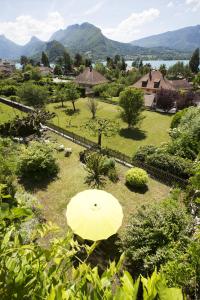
column 8, row 90
column 8, row 165
column 72, row 93
column 154, row 233
column 33, row 95
column 92, row 105
column 175, row 165
column 132, row 103
column 194, row 61
column 44, row 59
column 186, row 137
column 37, row 162
column 57, row 70
column 177, row 70
column 102, row 127
column 184, row 269
column 136, row 177
column 143, row 152
column 163, row 70
column 177, row 118
column 95, row 166
column 27, row 125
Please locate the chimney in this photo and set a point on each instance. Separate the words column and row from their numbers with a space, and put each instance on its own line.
column 150, row 75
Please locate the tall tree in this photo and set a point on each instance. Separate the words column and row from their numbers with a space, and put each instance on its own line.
column 72, row 94
column 45, row 60
column 78, row 60
column 123, row 65
column 92, row 106
column 57, row 70
column 67, row 62
column 24, row 61
column 194, row 61
column 132, row 102
column 163, row 70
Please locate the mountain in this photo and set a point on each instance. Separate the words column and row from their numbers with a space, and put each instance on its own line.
column 33, row 46
column 8, row 49
column 185, row 39
column 88, row 39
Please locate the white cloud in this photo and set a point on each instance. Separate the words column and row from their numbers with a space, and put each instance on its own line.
column 93, row 9
column 170, row 4
column 194, row 3
column 24, row 27
column 129, row 27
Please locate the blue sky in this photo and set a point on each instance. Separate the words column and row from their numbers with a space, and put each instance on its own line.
column 122, row 20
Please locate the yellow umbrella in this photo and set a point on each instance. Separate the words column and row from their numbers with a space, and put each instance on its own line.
column 94, row 215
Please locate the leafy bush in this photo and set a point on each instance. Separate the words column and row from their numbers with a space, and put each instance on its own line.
column 136, row 177
column 177, row 118
column 153, row 232
column 112, row 175
column 173, row 164
column 109, row 164
column 33, row 95
column 8, row 90
column 14, row 98
column 143, row 152
column 37, row 162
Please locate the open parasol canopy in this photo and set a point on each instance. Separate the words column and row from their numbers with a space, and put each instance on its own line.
column 94, row 215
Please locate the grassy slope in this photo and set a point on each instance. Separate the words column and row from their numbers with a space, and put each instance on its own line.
column 8, row 113
column 153, row 128
column 56, row 195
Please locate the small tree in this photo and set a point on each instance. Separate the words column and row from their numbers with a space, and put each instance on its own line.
column 166, row 99
column 101, row 127
column 45, row 60
column 72, row 93
column 163, row 70
column 60, row 96
column 92, row 106
column 33, row 95
column 194, row 61
column 132, row 102
column 57, row 70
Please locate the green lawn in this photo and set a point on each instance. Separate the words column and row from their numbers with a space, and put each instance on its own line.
column 153, row 129
column 8, row 113
column 55, row 197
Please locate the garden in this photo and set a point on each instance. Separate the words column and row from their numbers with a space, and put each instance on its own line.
column 155, row 254
column 153, row 130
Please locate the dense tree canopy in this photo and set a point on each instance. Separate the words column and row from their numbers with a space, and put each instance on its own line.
column 132, row 103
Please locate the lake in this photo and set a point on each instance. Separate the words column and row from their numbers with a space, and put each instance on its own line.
column 156, row 63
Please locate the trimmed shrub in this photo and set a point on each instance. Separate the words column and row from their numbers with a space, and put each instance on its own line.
column 170, row 163
column 136, row 177
column 37, row 162
column 142, row 152
column 109, row 164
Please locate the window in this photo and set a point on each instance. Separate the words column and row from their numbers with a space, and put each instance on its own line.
column 144, row 83
column 156, row 84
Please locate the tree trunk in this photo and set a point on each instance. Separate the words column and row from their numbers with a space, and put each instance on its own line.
column 74, row 106
column 62, row 104
column 99, row 139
